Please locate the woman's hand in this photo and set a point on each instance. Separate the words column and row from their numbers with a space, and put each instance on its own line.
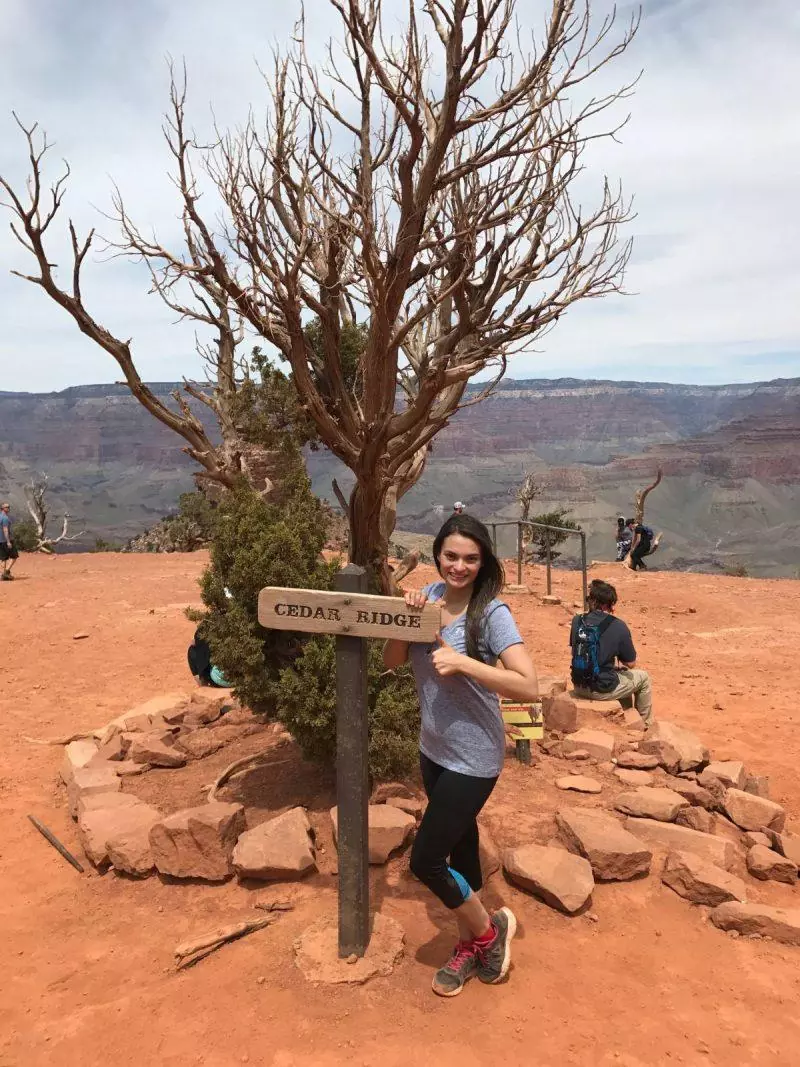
column 415, row 599
column 446, row 661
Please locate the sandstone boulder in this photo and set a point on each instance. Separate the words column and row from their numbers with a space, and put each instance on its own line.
column 94, row 778
column 636, row 761
column 114, row 748
column 98, row 801
column 701, row 882
column 119, row 835
column 489, row 854
column 651, row 803
column 667, row 835
column 198, row 842
column 559, row 878
column 614, row 854
column 597, row 743
column 158, row 749
column 382, row 792
column 279, row 849
column 714, row 786
column 389, row 829
column 634, row 778
column 696, row 819
column 579, row 783
column 767, row 865
column 77, row 754
column 691, row 791
column 781, row 924
column 751, row 812
column 677, row 749
column 632, row 720
column 788, row 844
column 758, row 785
column 731, row 773
column 755, row 837
column 412, row 806
column 560, row 712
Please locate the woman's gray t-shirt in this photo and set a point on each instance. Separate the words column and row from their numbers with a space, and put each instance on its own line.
column 462, row 728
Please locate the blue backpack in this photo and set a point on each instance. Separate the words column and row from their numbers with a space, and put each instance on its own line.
column 585, row 667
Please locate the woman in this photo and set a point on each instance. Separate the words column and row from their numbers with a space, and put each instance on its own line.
column 462, row 740
column 624, row 538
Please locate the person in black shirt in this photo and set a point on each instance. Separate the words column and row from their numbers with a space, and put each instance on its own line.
column 619, row 677
column 643, row 544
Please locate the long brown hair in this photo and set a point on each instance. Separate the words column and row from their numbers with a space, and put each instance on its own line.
column 488, row 582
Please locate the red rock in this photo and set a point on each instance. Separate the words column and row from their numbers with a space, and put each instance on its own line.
column 731, row 773
column 755, row 837
column 634, row 778
column 691, row 791
column 94, row 778
column 708, row 781
column 199, row 743
column 550, row 684
column 758, row 785
column 651, row 803
column 382, row 792
column 413, row 806
column 489, row 854
column 751, row 812
column 781, row 924
column 696, row 819
column 389, row 829
column 157, row 749
column 277, row 850
column 119, row 835
column 114, row 749
column 767, row 865
column 579, row 783
column 699, row 881
column 100, row 801
column 559, row 878
column 597, row 743
column 632, row 720
column 667, row 835
column 198, row 842
column 677, row 749
column 560, row 712
column 127, row 768
column 614, row 854
column 577, row 755
column 77, row 754
column 788, row 844
column 636, row 761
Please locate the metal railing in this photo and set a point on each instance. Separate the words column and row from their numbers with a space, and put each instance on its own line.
column 519, row 523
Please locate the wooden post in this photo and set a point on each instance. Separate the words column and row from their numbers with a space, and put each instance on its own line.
column 584, row 579
column 352, row 779
column 549, row 562
column 519, row 553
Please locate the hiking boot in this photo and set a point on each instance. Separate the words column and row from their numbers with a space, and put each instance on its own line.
column 495, row 960
column 451, row 979
column 5, row 577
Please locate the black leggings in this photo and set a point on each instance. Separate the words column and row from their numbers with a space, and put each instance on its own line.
column 637, row 560
column 449, row 831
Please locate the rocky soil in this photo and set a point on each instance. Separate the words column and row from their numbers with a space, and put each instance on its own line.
column 613, row 965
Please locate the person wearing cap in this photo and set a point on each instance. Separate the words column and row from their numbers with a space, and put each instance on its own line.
column 458, row 508
column 8, row 553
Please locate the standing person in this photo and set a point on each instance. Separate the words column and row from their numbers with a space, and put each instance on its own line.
column 600, row 642
column 624, row 539
column 644, row 543
column 462, row 739
column 8, row 553
column 458, row 508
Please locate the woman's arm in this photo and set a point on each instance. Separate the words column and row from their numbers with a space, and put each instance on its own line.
column 395, row 653
column 516, row 679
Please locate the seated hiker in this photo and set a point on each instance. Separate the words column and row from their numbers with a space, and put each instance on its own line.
column 603, row 657
column 624, row 539
column 199, row 656
column 644, row 543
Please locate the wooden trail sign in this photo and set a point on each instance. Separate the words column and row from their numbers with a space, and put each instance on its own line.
column 352, row 616
column 347, row 613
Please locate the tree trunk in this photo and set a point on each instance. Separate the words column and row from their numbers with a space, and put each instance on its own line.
column 369, row 543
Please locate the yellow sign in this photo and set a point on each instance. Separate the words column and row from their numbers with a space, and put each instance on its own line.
column 347, row 614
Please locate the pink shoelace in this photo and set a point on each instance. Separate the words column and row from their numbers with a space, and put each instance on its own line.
column 461, row 954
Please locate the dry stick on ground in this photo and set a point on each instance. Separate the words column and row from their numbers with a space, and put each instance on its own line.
column 49, row 836
column 190, row 952
column 237, row 766
column 65, row 739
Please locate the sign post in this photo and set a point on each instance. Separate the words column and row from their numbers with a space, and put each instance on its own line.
column 352, row 779
column 352, row 615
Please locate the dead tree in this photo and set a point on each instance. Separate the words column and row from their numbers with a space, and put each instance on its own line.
column 222, row 459
column 641, row 497
column 424, row 185
column 36, row 500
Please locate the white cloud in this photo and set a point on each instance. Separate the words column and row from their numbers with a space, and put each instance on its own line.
column 711, row 156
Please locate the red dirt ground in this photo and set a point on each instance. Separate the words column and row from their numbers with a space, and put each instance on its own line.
column 88, row 975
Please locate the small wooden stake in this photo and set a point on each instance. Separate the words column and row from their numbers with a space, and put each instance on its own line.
column 48, row 835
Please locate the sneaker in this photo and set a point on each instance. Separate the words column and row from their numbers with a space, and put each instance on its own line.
column 495, row 960
column 5, row 576
column 462, row 965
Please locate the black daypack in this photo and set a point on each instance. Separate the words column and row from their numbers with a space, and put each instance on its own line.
column 585, row 668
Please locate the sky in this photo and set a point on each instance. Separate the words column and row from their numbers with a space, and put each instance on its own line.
column 711, row 157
